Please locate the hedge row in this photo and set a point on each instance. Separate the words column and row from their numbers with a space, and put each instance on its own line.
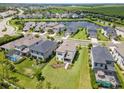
column 93, row 79
column 7, row 38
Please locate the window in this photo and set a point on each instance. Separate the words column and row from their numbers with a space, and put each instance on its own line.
column 95, row 64
column 32, row 51
column 59, row 53
column 101, row 65
column 41, row 53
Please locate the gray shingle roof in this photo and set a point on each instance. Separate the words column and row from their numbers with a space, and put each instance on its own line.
column 43, row 46
column 101, row 54
column 110, row 31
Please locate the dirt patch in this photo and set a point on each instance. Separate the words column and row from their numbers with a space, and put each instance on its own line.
column 58, row 65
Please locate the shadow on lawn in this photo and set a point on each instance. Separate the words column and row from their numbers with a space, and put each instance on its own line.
column 76, row 57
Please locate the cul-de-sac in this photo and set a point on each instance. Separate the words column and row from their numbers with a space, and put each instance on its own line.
column 61, row 46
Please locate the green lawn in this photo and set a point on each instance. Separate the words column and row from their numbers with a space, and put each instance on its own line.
column 27, row 67
column 80, row 35
column 84, row 72
column 76, row 77
column 120, row 75
column 24, row 81
column 101, row 36
column 121, row 38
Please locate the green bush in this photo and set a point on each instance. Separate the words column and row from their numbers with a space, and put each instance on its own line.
column 93, row 79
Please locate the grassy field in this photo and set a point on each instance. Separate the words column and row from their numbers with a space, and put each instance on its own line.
column 80, row 35
column 27, row 67
column 75, row 77
column 103, row 9
column 26, row 82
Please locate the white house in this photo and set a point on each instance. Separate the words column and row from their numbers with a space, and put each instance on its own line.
column 66, row 52
column 118, row 54
column 120, row 31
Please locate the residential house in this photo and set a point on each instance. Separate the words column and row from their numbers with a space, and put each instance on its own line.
column 75, row 15
column 7, row 13
column 117, row 52
column 103, row 66
column 92, row 34
column 109, row 32
column 14, row 55
column 66, row 52
column 40, row 26
column 43, row 49
column 59, row 27
column 120, row 31
column 21, row 44
column 28, row 26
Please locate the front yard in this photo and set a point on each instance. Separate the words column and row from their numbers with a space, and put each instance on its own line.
column 81, row 34
column 101, row 36
column 76, row 77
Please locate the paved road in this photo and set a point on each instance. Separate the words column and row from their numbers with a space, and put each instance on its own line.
column 4, row 24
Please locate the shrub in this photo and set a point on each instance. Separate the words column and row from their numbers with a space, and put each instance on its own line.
column 90, row 46
column 93, row 79
column 37, row 36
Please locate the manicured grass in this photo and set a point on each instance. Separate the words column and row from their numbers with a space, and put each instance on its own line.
column 24, row 81
column 80, row 35
column 84, row 72
column 120, row 75
column 75, row 77
column 2, row 56
column 101, row 36
column 27, row 66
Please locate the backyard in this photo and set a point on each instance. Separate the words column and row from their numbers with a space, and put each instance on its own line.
column 25, row 72
column 76, row 77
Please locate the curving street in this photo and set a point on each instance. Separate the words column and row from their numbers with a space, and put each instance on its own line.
column 10, row 30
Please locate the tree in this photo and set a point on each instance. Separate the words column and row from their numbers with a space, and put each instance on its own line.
column 50, row 31
column 90, row 46
column 39, row 76
column 37, row 35
column 114, row 26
